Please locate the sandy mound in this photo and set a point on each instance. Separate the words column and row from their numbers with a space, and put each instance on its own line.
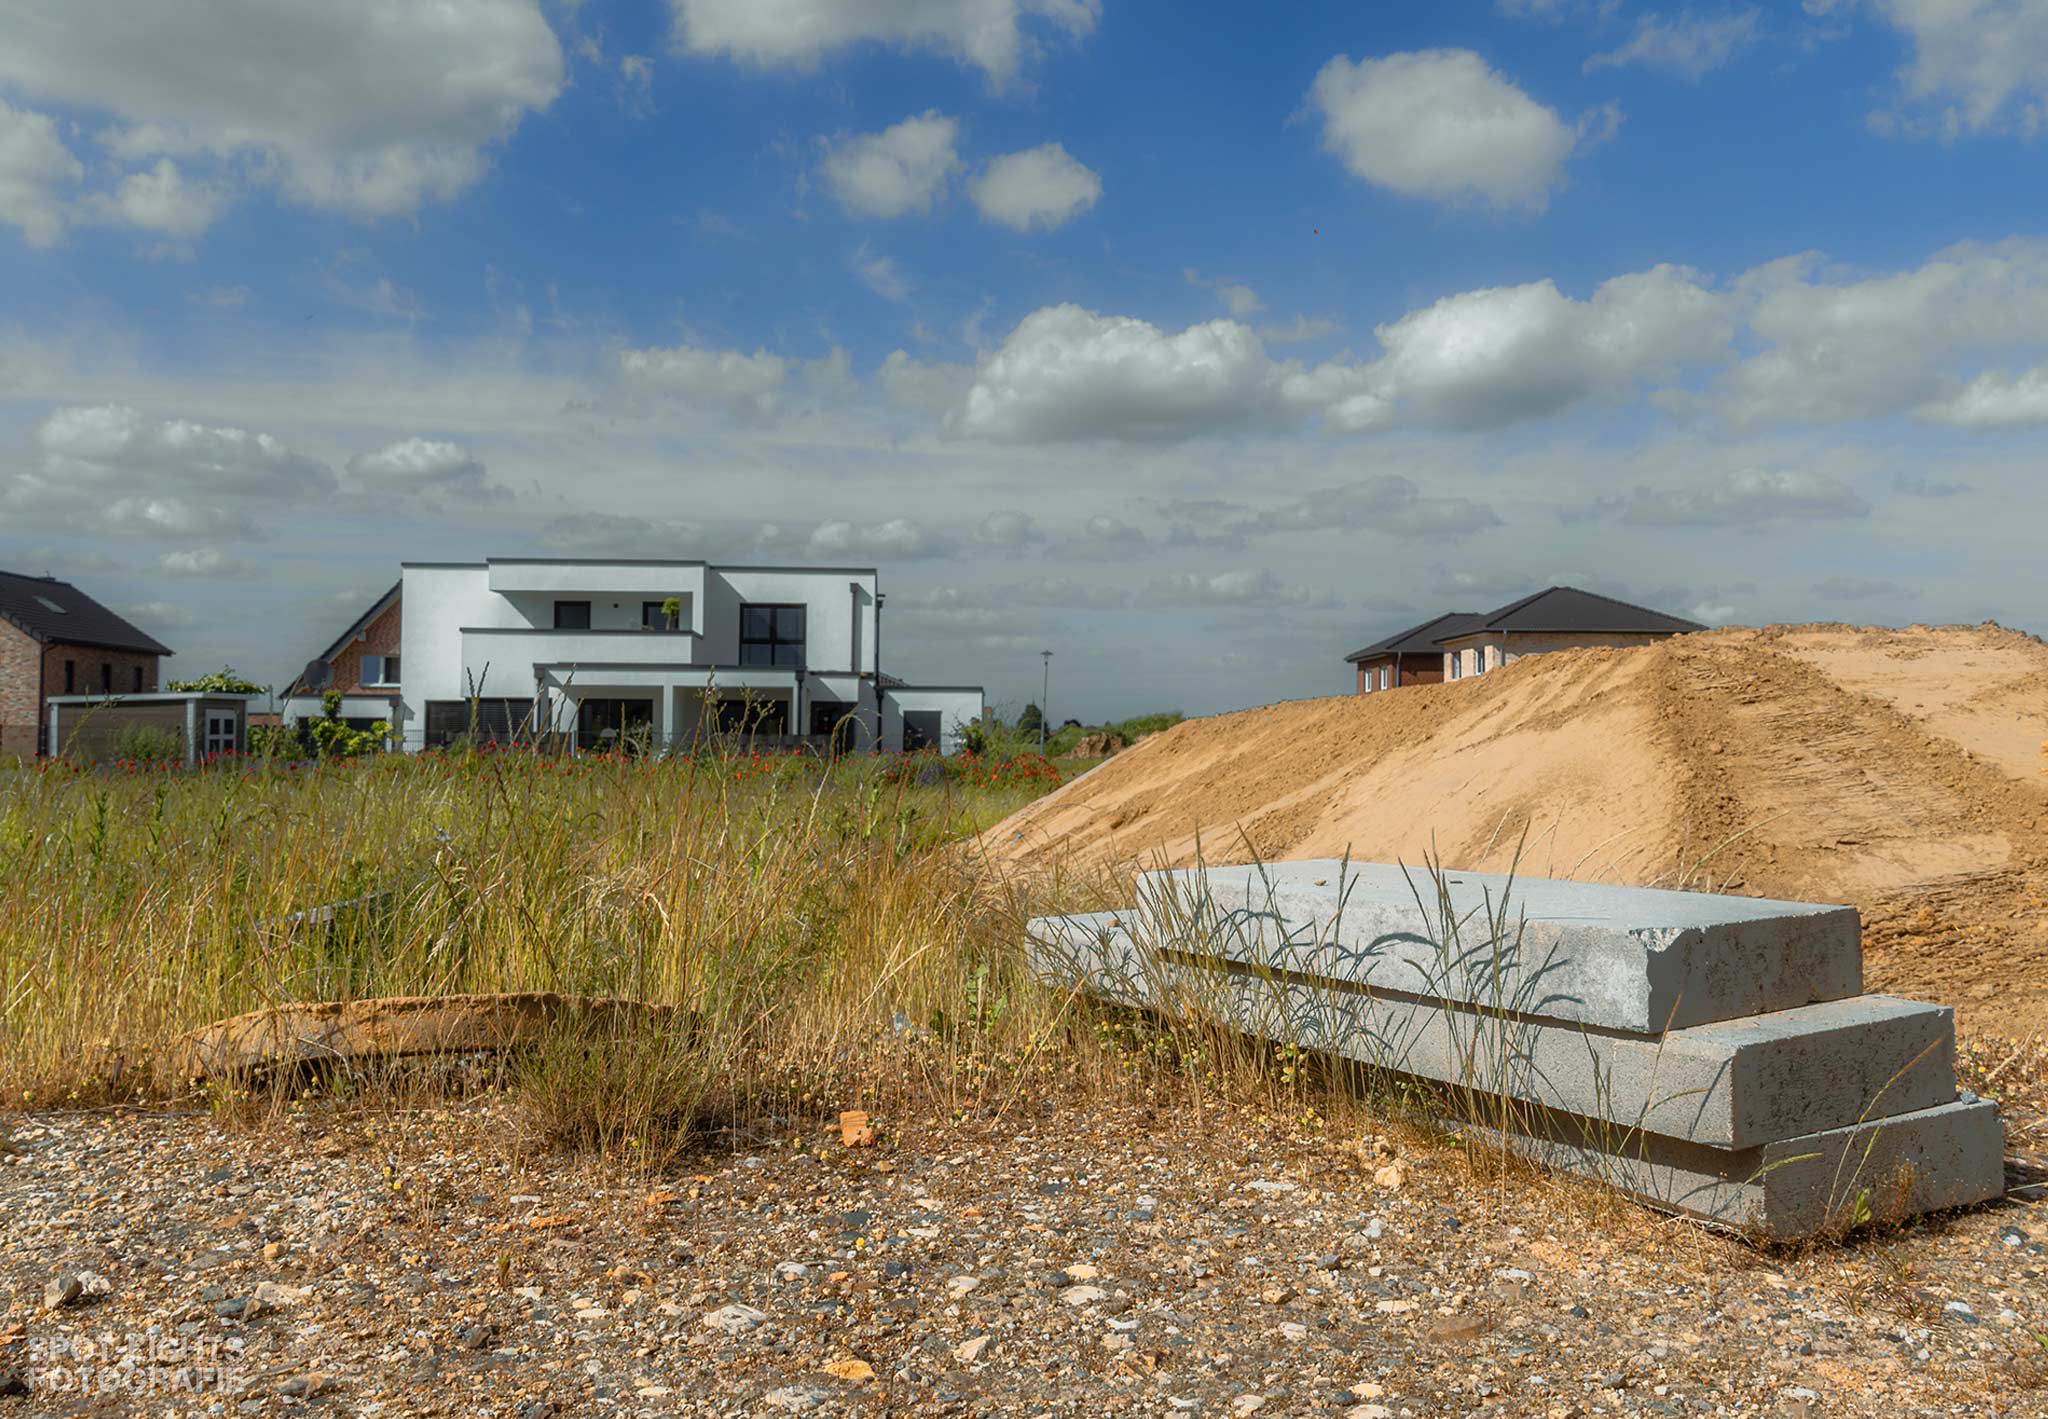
column 1902, row 771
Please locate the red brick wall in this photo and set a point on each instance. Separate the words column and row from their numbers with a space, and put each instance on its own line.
column 380, row 637
column 21, row 694
column 19, row 699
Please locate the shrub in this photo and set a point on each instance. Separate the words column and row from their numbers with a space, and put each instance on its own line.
column 146, row 744
column 276, row 741
column 224, row 681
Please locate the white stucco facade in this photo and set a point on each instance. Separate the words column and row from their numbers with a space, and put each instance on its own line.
column 579, row 646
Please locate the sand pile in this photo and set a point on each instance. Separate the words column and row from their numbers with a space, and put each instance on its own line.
column 1901, row 771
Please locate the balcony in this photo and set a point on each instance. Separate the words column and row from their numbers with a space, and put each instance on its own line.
column 506, row 656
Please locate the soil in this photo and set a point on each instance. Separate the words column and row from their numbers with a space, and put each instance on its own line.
column 1902, row 771
column 1084, row 1257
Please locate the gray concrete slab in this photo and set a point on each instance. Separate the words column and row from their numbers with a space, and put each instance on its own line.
column 1729, row 1084
column 1882, row 1171
column 1625, row 958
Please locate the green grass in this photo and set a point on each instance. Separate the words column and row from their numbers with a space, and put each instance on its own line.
column 809, row 918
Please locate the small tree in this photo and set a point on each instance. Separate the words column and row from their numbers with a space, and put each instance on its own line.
column 224, row 681
column 1031, row 721
column 334, row 739
column 672, row 611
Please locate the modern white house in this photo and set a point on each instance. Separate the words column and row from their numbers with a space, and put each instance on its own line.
column 667, row 652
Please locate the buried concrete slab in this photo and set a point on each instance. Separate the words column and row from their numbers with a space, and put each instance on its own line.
column 1731, row 1084
column 1885, row 1170
column 1624, row 958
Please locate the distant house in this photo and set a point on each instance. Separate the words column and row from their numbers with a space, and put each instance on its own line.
column 361, row 665
column 1411, row 657
column 1458, row 645
column 602, row 652
column 56, row 640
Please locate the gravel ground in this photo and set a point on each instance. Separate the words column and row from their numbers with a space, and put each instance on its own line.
column 1064, row 1259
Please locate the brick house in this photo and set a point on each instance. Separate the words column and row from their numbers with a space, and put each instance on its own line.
column 56, row 640
column 362, row 664
column 1459, row 645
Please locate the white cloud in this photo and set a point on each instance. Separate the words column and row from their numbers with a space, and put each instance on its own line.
column 164, row 615
column 881, row 274
column 1747, row 498
column 1068, row 373
column 901, row 169
column 160, row 199
column 1239, row 299
column 433, row 471
column 596, row 534
column 1102, row 538
column 1978, row 66
column 746, row 386
column 200, row 562
column 989, row 34
column 1008, row 530
column 34, row 168
column 900, row 539
column 1687, row 44
column 111, row 465
column 1994, row 401
column 1483, row 359
column 1385, row 502
column 1844, row 346
column 1440, row 124
column 1299, row 330
column 371, row 108
column 1035, row 190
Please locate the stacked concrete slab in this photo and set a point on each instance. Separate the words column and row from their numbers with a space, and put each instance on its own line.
column 1713, row 1055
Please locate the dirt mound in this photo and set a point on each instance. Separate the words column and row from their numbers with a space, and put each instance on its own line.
column 1902, row 771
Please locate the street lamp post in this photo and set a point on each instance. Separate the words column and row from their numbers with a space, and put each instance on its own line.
column 1044, row 699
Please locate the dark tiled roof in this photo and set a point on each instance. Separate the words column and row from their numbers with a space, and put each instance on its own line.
column 1423, row 637
column 1564, row 610
column 53, row 610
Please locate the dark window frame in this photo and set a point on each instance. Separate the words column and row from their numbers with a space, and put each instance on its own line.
column 561, row 606
column 106, row 677
column 136, row 677
column 653, row 618
column 775, row 639
column 70, row 677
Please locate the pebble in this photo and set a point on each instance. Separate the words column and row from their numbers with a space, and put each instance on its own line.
column 734, row 1319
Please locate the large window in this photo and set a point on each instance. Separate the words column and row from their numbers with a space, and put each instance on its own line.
column 572, row 615
column 380, row 670
column 772, row 635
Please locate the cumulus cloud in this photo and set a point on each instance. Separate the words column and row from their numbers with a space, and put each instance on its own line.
column 1487, row 358
column 1068, row 373
column 163, row 615
column 901, row 169
column 597, row 534
column 989, row 34
column 35, row 171
column 900, row 539
column 161, row 199
column 425, row 470
column 1687, row 44
column 370, row 109
column 1994, row 401
column 112, row 466
column 880, row 274
column 1009, row 530
column 1035, row 190
column 1101, row 538
column 1846, row 346
column 1747, row 498
column 1440, row 124
column 1978, row 66
column 933, row 390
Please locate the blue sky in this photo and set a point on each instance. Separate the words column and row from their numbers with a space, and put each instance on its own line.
column 1197, row 343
